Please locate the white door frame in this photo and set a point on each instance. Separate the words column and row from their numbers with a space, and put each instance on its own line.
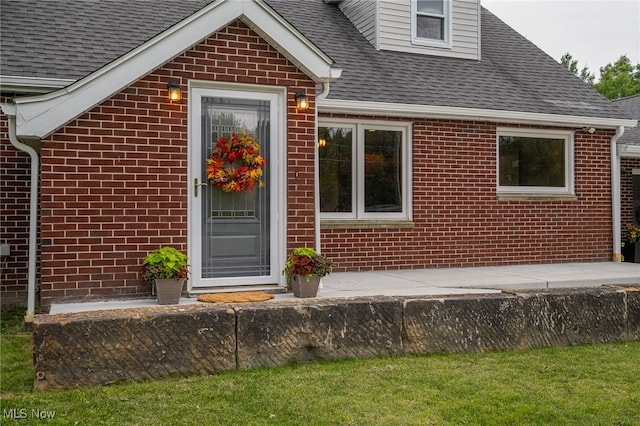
column 277, row 179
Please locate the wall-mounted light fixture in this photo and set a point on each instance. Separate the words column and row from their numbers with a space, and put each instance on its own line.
column 174, row 91
column 322, row 142
column 590, row 130
column 302, row 101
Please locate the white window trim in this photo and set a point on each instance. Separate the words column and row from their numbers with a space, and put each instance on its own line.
column 446, row 43
column 359, row 127
column 568, row 189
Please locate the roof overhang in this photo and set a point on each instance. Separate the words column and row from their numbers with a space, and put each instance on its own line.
column 628, row 151
column 447, row 112
column 39, row 116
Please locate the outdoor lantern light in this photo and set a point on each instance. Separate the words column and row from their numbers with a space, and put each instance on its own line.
column 302, row 101
column 174, row 91
column 322, row 142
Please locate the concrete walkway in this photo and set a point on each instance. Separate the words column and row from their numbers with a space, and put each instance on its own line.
column 444, row 281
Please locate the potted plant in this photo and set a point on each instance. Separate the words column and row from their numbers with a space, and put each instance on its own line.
column 167, row 269
column 304, row 268
column 631, row 248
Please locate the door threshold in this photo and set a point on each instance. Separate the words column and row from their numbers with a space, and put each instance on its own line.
column 269, row 288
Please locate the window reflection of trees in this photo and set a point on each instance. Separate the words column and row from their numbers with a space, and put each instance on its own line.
column 336, row 161
column 383, row 171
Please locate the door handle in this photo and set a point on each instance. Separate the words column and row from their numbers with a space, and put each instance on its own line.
column 196, row 185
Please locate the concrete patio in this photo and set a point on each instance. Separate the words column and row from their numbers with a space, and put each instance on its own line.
column 434, row 282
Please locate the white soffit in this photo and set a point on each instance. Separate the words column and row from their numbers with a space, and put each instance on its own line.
column 39, row 116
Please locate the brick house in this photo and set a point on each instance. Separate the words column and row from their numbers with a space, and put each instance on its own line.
column 435, row 136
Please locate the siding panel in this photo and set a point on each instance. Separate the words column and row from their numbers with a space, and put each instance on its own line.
column 392, row 18
column 362, row 13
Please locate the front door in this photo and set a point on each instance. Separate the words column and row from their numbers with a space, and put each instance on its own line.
column 234, row 229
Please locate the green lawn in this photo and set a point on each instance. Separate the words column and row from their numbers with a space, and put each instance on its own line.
column 586, row 385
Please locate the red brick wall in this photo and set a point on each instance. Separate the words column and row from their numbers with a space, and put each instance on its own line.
column 626, row 191
column 15, row 186
column 114, row 181
column 458, row 220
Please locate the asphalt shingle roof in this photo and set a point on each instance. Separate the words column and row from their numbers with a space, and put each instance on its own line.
column 69, row 39
column 513, row 74
column 72, row 38
column 630, row 104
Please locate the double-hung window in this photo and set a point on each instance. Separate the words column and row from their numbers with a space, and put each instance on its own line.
column 364, row 169
column 535, row 161
column 431, row 22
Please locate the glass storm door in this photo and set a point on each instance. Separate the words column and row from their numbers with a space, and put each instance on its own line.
column 234, row 233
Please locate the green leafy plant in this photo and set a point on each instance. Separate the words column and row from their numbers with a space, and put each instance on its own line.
column 164, row 263
column 306, row 261
column 633, row 234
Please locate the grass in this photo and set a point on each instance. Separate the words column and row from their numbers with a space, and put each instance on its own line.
column 16, row 366
column 592, row 384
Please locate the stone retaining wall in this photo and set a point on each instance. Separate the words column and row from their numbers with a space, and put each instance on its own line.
column 110, row 346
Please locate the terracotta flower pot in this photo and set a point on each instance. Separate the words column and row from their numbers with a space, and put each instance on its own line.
column 305, row 285
column 169, row 291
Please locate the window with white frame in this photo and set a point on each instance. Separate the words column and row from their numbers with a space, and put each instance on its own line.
column 364, row 171
column 535, row 161
column 431, row 21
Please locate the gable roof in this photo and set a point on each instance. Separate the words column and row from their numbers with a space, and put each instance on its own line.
column 513, row 81
column 38, row 116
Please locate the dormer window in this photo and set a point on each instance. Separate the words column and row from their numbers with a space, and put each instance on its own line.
column 431, row 22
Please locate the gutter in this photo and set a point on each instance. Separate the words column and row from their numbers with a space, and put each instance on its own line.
column 316, row 166
column 10, row 111
column 34, row 85
column 629, row 151
column 615, row 195
column 462, row 113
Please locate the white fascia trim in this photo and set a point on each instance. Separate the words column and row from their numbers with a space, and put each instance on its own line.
column 13, row 83
column 628, row 151
column 433, row 111
column 39, row 116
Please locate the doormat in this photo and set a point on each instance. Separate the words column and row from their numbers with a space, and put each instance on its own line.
column 240, row 297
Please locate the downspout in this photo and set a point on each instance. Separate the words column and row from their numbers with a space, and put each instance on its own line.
column 615, row 195
column 10, row 111
column 316, row 166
